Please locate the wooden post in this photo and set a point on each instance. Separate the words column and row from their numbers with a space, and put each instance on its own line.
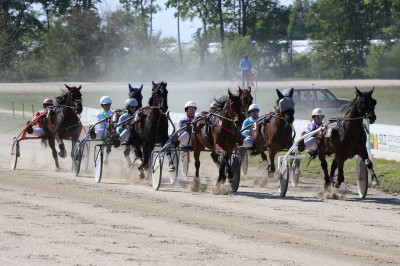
column 12, row 103
column 33, row 112
column 23, row 111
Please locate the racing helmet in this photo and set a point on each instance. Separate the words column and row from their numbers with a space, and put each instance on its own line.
column 318, row 111
column 131, row 102
column 105, row 100
column 252, row 107
column 47, row 102
column 190, row 104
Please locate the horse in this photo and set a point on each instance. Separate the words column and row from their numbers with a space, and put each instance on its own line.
column 135, row 93
column 63, row 122
column 346, row 137
column 246, row 98
column 274, row 130
column 149, row 127
column 218, row 131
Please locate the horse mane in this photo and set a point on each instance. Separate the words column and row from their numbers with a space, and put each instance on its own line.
column 62, row 98
column 351, row 104
column 218, row 104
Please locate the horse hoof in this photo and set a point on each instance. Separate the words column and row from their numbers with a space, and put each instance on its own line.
column 375, row 182
column 141, row 174
column 336, row 185
column 270, row 175
column 62, row 154
column 327, row 185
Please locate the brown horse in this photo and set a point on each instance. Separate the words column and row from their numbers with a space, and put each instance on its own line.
column 347, row 138
column 63, row 122
column 246, row 98
column 274, row 131
column 218, row 131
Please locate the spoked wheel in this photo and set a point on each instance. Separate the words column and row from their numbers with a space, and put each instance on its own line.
column 295, row 172
column 85, row 156
column 175, row 160
column 156, row 170
column 283, row 177
column 235, row 167
column 244, row 162
column 362, row 178
column 14, row 154
column 98, row 163
column 77, row 157
column 185, row 162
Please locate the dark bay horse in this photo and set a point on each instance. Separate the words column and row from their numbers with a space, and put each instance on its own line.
column 274, row 131
column 63, row 122
column 149, row 127
column 135, row 93
column 218, row 131
column 347, row 138
column 246, row 98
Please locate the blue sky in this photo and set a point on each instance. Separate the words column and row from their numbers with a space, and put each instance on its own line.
column 164, row 20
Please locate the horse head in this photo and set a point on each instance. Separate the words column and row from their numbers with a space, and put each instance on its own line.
column 136, row 93
column 234, row 108
column 366, row 105
column 286, row 106
column 246, row 98
column 159, row 96
column 74, row 98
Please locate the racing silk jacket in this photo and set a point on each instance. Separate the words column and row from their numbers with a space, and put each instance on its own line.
column 122, row 118
column 311, row 127
column 247, row 122
column 100, row 116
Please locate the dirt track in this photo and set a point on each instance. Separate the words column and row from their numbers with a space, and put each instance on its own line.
column 50, row 217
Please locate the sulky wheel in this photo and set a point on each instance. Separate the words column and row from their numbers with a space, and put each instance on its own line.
column 362, row 178
column 175, row 160
column 244, row 163
column 76, row 158
column 98, row 163
column 283, row 177
column 185, row 162
column 295, row 172
column 156, row 170
column 14, row 154
column 235, row 168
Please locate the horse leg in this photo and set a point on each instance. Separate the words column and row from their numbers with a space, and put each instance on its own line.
column 271, row 169
column 146, row 160
column 324, row 166
column 196, row 155
column 340, row 178
column 222, row 161
column 52, row 145
column 265, row 160
column 333, row 168
column 215, row 158
column 126, row 154
column 108, row 150
column 368, row 163
column 61, row 146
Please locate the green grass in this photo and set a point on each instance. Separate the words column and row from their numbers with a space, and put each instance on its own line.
column 387, row 171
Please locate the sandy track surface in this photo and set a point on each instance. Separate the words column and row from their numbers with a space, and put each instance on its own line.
column 50, row 217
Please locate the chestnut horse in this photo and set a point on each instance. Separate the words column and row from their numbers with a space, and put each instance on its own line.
column 274, row 131
column 63, row 121
column 150, row 126
column 347, row 138
column 218, row 131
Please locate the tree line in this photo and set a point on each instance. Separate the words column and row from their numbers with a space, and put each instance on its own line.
column 43, row 40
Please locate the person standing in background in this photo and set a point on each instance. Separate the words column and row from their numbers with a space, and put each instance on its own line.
column 245, row 71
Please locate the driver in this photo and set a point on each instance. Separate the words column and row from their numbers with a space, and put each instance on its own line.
column 310, row 144
column 253, row 111
column 100, row 130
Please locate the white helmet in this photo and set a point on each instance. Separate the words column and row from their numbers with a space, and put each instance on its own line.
column 131, row 102
column 105, row 100
column 190, row 104
column 254, row 106
column 318, row 111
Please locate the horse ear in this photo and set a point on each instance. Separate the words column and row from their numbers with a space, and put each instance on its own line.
column 359, row 93
column 80, row 87
column 371, row 91
column 154, row 85
column 69, row 88
column 130, row 87
column 229, row 94
column 291, row 93
column 141, row 87
column 249, row 88
column 280, row 95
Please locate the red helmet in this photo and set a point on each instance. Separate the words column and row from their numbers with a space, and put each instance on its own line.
column 48, row 101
